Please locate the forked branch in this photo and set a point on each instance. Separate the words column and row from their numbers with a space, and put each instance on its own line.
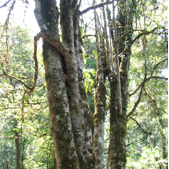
column 146, row 80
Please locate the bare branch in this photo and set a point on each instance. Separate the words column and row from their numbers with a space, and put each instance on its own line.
column 157, row 65
column 31, row 89
column 95, row 6
column 19, row 80
column 78, row 6
column 6, row 108
column 143, row 33
column 86, row 36
column 140, row 126
column 40, row 109
column 146, row 80
column 7, row 19
column 5, row 4
column 23, row 105
column 135, row 142
column 152, row 99
column 136, row 103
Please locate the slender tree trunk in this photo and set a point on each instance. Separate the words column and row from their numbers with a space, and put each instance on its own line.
column 99, row 100
column 7, row 164
column 117, row 148
column 88, row 157
column 17, row 149
column 164, row 141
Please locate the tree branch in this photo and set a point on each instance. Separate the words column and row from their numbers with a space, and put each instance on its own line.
column 95, row 6
column 140, row 126
column 146, row 80
column 6, row 108
column 135, row 142
column 55, row 42
column 19, row 80
column 7, row 19
column 5, row 4
column 157, row 65
column 151, row 99
column 136, row 103
column 78, row 6
column 31, row 89
column 86, row 36
column 143, row 33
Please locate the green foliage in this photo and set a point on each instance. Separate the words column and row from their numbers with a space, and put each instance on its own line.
column 144, row 150
column 31, row 119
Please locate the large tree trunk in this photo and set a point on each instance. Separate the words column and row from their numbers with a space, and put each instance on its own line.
column 65, row 150
column 77, row 101
column 66, row 156
column 65, row 86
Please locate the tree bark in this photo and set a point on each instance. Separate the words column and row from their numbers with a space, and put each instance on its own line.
column 99, row 98
column 66, row 156
column 117, row 148
column 77, row 102
column 17, row 150
column 65, row 86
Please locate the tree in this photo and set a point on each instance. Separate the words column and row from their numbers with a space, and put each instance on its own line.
column 71, row 119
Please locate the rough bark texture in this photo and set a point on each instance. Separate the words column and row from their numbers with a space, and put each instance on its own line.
column 77, row 102
column 65, row 86
column 65, row 151
column 99, row 115
column 117, row 148
column 88, row 144
column 99, row 100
